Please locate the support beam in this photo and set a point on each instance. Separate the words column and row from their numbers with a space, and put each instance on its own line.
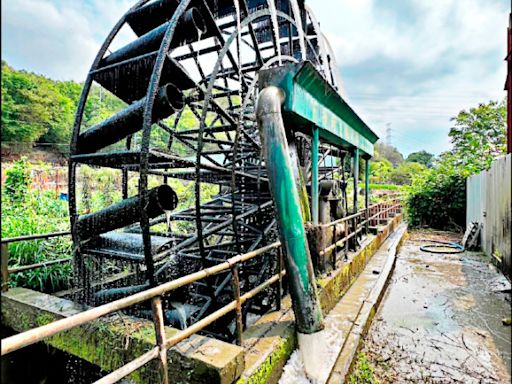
column 314, row 174
column 311, row 102
column 355, row 159
column 367, row 190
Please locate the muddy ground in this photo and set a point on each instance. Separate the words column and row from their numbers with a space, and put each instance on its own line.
column 441, row 319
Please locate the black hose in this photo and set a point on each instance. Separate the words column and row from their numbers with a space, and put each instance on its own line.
column 431, row 248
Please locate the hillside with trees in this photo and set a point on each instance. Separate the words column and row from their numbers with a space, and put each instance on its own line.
column 39, row 110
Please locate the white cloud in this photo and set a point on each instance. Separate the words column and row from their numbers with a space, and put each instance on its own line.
column 441, row 55
column 57, row 39
column 427, row 59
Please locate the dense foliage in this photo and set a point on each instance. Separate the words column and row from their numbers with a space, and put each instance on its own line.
column 388, row 152
column 437, row 197
column 421, row 157
column 479, row 136
column 26, row 211
column 36, row 109
column 389, row 167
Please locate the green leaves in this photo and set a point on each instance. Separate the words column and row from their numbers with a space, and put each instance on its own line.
column 17, row 181
column 478, row 136
column 38, row 109
column 437, row 197
column 421, row 157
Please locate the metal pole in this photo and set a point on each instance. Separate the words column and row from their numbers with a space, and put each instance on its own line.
column 367, row 191
column 355, row 160
column 306, row 306
column 356, row 176
column 314, row 175
column 5, row 266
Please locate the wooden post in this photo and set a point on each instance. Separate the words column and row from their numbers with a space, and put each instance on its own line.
column 57, row 183
column 5, row 266
column 158, row 318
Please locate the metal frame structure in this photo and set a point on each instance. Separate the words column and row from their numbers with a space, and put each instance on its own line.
column 164, row 76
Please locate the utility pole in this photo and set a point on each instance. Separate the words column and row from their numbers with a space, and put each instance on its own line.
column 388, row 133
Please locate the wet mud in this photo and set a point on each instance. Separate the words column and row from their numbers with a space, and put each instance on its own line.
column 441, row 319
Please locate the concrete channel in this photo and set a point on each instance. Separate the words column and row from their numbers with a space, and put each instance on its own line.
column 267, row 344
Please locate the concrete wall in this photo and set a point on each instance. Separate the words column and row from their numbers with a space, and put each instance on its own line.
column 489, row 202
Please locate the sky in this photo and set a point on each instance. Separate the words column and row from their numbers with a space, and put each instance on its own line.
column 410, row 65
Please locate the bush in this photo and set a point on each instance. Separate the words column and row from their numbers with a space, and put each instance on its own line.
column 17, row 181
column 39, row 213
column 437, row 197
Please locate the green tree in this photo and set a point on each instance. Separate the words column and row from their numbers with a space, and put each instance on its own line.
column 437, row 197
column 478, row 136
column 17, row 181
column 402, row 175
column 380, row 171
column 389, row 153
column 37, row 109
column 421, row 157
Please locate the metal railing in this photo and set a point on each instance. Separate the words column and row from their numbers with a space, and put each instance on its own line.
column 35, row 335
column 374, row 214
column 359, row 222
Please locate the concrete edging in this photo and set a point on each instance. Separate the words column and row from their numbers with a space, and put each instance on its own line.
column 271, row 340
column 346, row 359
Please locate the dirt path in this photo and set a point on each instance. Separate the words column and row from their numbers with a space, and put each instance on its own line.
column 441, row 319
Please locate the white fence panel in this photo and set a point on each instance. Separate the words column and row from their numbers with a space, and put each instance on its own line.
column 489, row 202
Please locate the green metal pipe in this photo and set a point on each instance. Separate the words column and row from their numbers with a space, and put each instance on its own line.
column 301, row 277
column 367, row 189
column 314, row 174
column 356, row 176
column 367, row 183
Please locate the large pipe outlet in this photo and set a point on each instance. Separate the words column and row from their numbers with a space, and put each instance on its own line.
column 126, row 212
column 188, row 29
column 129, row 121
column 301, row 277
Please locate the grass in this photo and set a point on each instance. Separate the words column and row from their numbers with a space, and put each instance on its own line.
column 386, row 187
column 363, row 372
column 29, row 211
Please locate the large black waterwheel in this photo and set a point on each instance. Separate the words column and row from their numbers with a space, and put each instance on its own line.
column 189, row 75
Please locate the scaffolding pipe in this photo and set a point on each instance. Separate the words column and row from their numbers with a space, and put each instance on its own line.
column 306, row 306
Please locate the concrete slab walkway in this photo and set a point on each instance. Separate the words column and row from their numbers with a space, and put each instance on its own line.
column 346, row 322
column 441, row 320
